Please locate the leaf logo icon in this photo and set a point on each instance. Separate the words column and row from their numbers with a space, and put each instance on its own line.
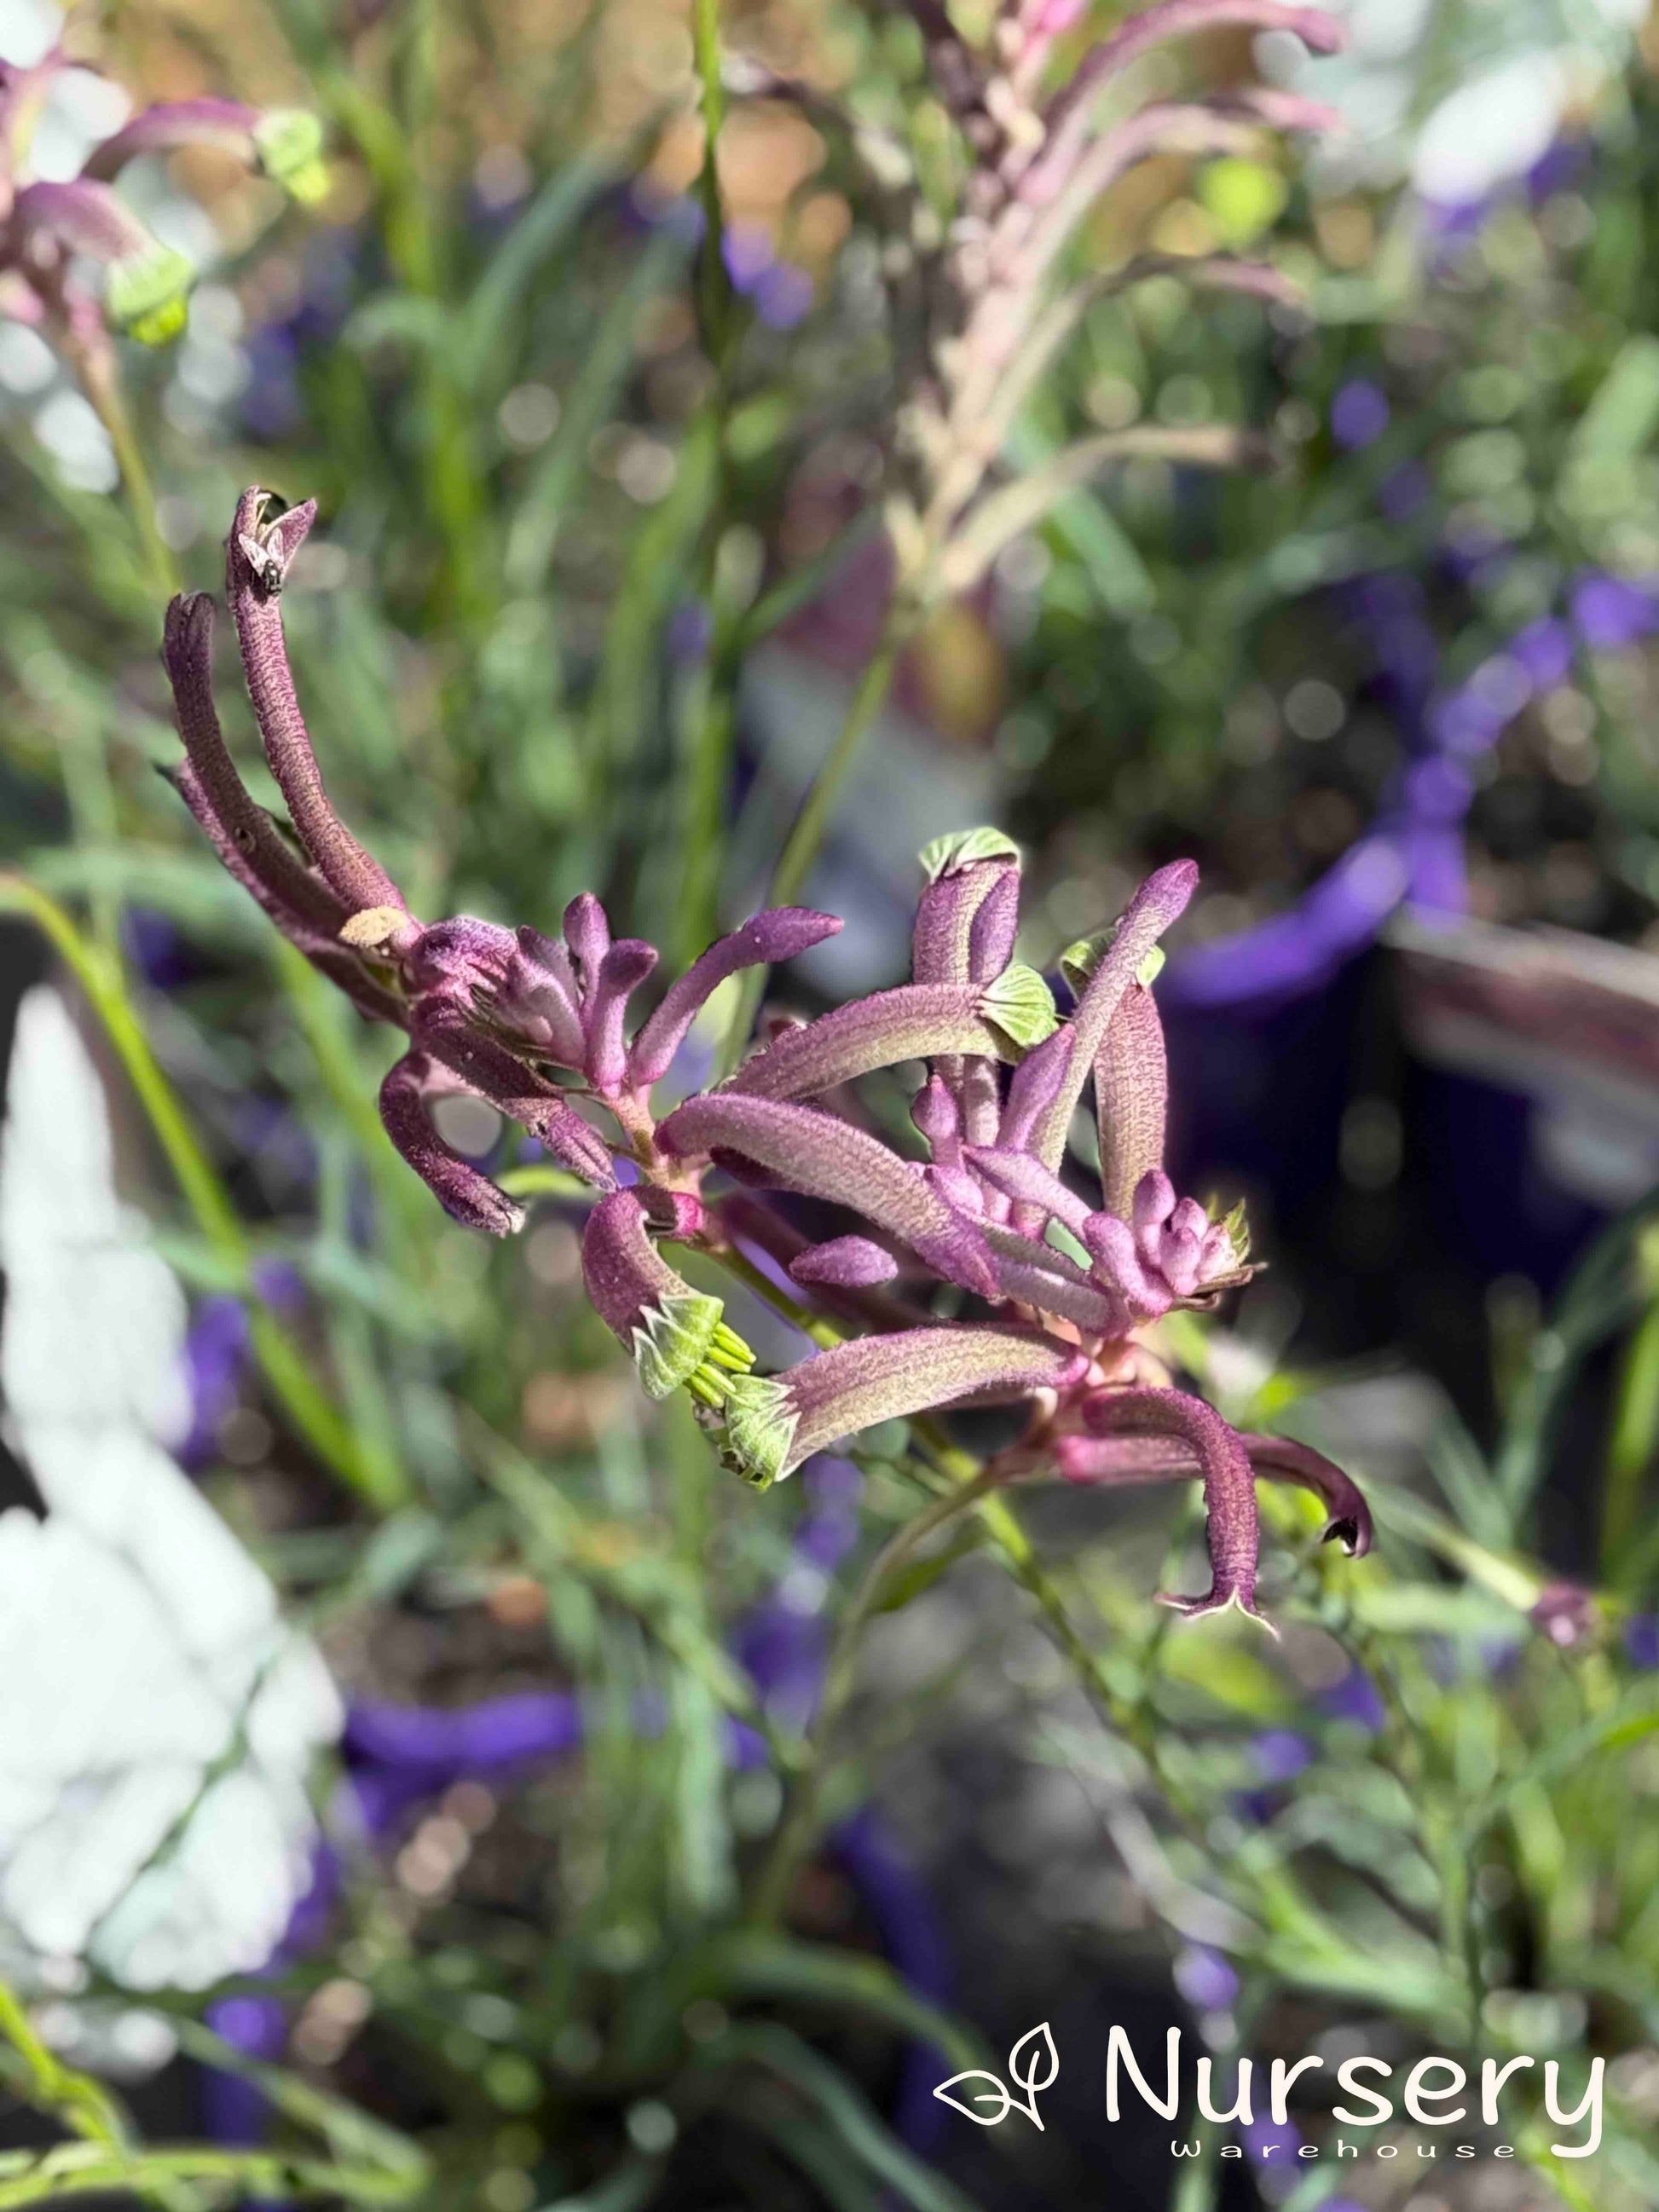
column 1033, row 2066
column 993, row 2092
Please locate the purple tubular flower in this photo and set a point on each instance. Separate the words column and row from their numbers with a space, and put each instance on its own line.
column 676, row 1335
column 846, row 1262
column 1116, row 1458
column 497, row 1075
column 258, row 559
column 913, row 1022
column 767, row 939
column 1132, row 1092
column 1231, row 1531
column 285, row 143
column 1068, row 113
column 625, row 965
column 541, row 998
column 1029, row 1183
column 967, row 920
column 1160, row 902
column 587, row 933
column 772, row 1423
column 465, row 1194
column 801, row 1149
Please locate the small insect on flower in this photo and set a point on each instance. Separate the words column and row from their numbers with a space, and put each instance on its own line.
column 1057, row 1285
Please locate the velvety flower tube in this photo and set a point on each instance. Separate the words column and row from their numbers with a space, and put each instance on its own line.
column 1117, row 1458
column 466, row 1193
column 1069, row 116
column 625, row 966
column 1231, row 1530
column 258, row 559
column 803, row 1150
column 967, row 920
column 1132, row 1092
column 916, row 1021
column 772, row 1422
column 497, row 1075
column 767, row 939
column 956, row 939
column 677, row 1336
column 187, row 657
column 285, row 143
column 1160, row 902
column 147, row 283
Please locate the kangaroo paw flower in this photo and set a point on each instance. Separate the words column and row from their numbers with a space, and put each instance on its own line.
column 799, row 1149
column 678, row 1336
column 1119, row 1459
column 1231, row 1530
column 465, row 1194
column 772, row 1422
column 770, row 938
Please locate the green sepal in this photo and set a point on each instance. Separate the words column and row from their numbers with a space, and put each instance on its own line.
column 1079, row 962
column 290, row 147
column 1238, row 1231
column 676, row 1338
column 1021, row 1005
column 961, row 848
column 149, row 294
column 760, row 1428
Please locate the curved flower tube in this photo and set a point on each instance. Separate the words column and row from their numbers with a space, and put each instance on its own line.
column 1230, row 1529
column 1115, row 1458
column 772, row 1422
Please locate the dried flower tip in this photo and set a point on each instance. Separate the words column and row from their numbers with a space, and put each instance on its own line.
column 374, row 927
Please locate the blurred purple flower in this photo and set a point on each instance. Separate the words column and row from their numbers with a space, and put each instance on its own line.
column 1281, row 1754
column 1207, row 1980
column 1611, row 611
column 1406, row 492
column 1642, row 1639
column 1355, row 1698
column 1359, row 414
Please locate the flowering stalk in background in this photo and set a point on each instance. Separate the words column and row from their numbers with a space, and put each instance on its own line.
column 50, row 231
column 988, row 290
column 539, row 1027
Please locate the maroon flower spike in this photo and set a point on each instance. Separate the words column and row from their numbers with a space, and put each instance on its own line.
column 539, row 1026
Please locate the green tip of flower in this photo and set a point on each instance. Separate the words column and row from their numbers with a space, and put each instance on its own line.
column 149, row 294
column 684, row 1341
column 290, row 143
column 759, row 1429
column 949, row 855
column 1238, row 1229
column 1079, row 962
column 1020, row 1004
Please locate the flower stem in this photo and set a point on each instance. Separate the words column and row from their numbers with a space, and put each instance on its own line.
column 801, row 846
column 285, row 1366
column 795, row 1835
